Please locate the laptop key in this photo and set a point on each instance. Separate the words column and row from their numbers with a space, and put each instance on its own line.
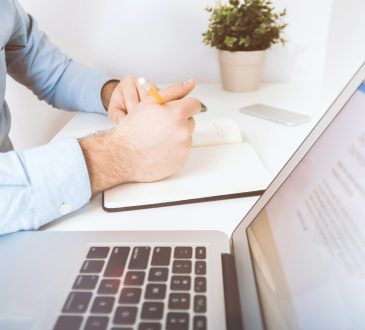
column 152, row 310
column 200, row 268
column 98, row 252
column 200, row 322
column 68, row 322
column 125, row 315
column 117, row 261
column 96, row 323
column 200, row 252
column 161, row 256
column 155, row 291
column 109, row 286
column 183, row 252
column 85, row 282
column 200, row 284
column 102, row 305
column 139, row 258
column 180, row 283
column 77, row 302
column 181, row 267
column 177, row 321
column 200, row 304
column 149, row 326
column 134, row 278
column 179, row 301
column 130, row 296
column 92, row 266
column 158, row 274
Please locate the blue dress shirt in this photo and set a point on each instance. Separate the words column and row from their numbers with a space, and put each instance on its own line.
column 41, row 184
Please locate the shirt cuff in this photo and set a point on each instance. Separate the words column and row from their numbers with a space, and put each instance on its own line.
column 58, row 178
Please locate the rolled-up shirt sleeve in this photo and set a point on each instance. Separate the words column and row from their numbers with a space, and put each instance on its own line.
column 36, row 63
column 41, row 184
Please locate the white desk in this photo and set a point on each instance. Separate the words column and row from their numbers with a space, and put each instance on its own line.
column 273, row 142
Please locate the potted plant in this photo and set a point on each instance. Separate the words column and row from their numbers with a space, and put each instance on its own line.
column 242, row 32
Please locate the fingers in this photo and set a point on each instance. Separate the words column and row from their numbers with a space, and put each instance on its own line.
column 177, row 91
column 142, row 93
column 131, row 92
column 116, row 115
column 191, row 124
column 187, row 107
column 128, row 88
column 117, row 108
column 125, row 97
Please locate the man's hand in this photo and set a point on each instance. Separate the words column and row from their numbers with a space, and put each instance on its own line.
column 150, row 143
column 107, row 91
column 120, row 97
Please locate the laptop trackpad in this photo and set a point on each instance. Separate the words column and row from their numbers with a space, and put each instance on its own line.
column 19, row 322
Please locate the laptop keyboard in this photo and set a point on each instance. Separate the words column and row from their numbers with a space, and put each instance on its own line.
column 143, row 287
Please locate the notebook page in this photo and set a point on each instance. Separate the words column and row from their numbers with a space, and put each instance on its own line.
column 209, row 171
column 216, row 131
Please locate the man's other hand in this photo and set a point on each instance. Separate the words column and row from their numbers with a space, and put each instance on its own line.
column 124, row 97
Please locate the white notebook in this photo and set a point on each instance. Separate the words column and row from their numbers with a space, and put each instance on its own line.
column 219, row 166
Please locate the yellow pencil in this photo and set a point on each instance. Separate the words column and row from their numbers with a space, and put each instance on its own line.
column 151, row 89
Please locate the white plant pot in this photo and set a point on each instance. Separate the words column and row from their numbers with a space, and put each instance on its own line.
column 241, row 71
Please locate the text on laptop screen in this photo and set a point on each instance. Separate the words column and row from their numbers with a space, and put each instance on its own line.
column 308, row 243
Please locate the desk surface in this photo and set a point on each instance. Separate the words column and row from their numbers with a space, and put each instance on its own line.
column 273, row 142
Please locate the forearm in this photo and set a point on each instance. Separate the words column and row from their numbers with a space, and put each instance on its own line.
column 109, row 162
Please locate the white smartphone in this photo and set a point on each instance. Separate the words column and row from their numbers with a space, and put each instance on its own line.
column 275, row 114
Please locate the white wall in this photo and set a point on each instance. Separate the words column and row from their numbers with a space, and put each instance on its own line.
column 161, row 40
column 303, row 57
column 346, row 42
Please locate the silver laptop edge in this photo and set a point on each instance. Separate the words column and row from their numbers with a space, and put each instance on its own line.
column 250, row 307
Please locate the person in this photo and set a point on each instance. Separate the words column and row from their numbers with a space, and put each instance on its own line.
column 149, row 142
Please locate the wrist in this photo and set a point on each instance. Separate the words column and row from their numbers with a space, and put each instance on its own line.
column 107, row 91
column 108, row 160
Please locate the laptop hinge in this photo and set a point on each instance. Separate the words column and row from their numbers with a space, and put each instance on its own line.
column 231, row 293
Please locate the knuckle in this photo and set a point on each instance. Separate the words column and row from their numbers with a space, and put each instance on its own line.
column 196, row 104
column 192, row 123
column 128, row 79
column 184, row 135
column 192, row 100
column 191, row 105
column 179, row 112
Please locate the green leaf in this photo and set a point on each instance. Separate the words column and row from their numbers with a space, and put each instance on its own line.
column 244, row 25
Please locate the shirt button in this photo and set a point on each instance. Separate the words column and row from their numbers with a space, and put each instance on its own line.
column 65, row 209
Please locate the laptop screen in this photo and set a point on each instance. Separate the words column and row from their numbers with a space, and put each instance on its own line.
column 308, row 242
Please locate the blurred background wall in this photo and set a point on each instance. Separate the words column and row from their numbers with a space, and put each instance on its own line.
column 161, row 39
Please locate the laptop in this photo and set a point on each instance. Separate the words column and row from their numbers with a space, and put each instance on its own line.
column 296, row 261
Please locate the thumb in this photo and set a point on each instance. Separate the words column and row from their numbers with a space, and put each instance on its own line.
column 177, row 91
